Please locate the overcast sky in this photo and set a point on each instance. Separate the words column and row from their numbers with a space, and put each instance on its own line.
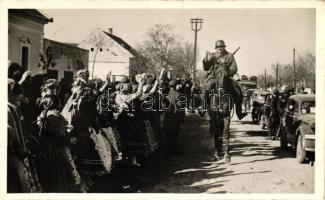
column 265, row 36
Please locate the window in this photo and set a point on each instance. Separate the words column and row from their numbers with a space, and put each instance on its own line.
column 308, row 107
column 100, row 49
column 68, row 75
column 91, row 49
column 52, row 74
column 24, row 57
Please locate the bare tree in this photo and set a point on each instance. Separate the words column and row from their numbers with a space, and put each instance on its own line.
column 98, row 39
column 163, row 48
column 47, row 60
column 269, row 81
column 305, row 72
column 188, row 55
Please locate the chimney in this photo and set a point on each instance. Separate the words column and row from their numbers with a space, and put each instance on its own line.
column 110, row 30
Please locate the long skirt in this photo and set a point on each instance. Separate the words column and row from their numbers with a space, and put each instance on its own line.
column 171, row 125
column 57, row 171
column 93, row 152
column 136, row 134
column 21, row 176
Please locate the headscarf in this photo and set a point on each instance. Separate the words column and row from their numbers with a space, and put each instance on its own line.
column 49, row 87
column 12, row 68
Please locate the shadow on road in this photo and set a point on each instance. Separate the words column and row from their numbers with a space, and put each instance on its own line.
column 191, row 171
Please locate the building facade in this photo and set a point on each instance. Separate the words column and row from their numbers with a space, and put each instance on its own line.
column 65, row 59
column 25, row 37
column 109, row 54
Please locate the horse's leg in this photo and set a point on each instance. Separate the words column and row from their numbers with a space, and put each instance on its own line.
column 213, row 129
column 213, row 132
column 219, row 135
column 226, row 136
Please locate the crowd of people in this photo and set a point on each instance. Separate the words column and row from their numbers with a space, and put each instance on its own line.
column 61, row 135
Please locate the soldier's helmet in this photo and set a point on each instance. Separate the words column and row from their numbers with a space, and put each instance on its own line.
column 220, row 43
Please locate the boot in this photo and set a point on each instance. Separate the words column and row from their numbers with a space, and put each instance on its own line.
column 239, row 112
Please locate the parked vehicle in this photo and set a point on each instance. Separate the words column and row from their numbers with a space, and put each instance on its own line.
column 299, row 125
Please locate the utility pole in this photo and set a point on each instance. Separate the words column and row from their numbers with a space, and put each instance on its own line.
column 196, row 25
column 294, row 69
column 276, row 75
column 265, row 79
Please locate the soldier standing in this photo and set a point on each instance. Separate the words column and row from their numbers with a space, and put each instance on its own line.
column 226, row 59
column 274, row 116
column 282, row 102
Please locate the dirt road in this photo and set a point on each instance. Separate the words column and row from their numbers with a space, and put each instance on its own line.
column 258, row 165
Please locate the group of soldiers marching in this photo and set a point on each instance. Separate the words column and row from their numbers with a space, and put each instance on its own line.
column 61, row 135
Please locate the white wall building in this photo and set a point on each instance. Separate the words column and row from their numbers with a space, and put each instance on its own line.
column 67, row 59
column 108, row 53
column 25, row 37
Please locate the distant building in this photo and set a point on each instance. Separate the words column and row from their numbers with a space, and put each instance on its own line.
column 25, row 37
column 109, row 53
column 66, row 60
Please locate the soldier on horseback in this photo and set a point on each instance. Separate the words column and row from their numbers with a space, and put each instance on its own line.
column 221, row 92
column 226, row 60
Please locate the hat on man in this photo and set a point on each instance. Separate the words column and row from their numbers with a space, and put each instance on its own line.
column 220, row 43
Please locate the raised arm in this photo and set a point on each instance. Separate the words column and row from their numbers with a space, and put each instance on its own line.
column 154, row 88
column 207, row 61
column 108, row 81
column 138, row 92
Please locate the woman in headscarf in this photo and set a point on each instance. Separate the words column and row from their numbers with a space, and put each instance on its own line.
column 129, row 125
column 56, row 167
column 27, row 105
column 92, row 150
column 107, row 123
column 21, row 176
column 149, row 110
column 170, row 119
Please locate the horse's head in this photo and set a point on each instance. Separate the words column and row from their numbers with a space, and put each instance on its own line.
column 220, row 74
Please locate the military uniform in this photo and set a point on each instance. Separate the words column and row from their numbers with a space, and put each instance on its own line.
column 282, row 102
column 227, row 61
column 275, row 115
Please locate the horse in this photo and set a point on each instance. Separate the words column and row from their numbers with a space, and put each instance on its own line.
column 219, row 107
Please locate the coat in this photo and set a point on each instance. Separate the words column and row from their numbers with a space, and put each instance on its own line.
column 216, row 60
